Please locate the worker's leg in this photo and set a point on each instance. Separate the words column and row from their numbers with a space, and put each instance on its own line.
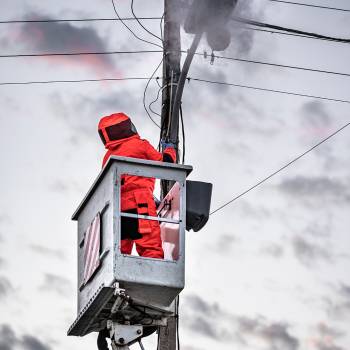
column 126, row 246
column 150, row 245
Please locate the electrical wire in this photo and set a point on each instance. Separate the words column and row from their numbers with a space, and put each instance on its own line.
column 154, row 101
column 76, row 20
column 157, row 81
column 155, row 78
column 274, row 64
column 289, row 30
column 145, row 18
column 73, row 81
column 183, row 136
column 78, row 53
column 268, row 90
column 182, row 51
column 311, row 5
column 145, row 92
column 177, row 306
column 139, row 22
column 281, row 169
column 285, row 34
column 131, row 31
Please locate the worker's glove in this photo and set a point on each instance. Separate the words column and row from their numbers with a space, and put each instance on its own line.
column 169, row 153
column 166, row 145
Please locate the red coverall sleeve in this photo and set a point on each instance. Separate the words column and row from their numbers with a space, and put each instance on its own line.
column 169, row 154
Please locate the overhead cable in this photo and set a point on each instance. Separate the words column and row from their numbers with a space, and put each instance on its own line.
column 268, row 90
column 38, row 82
column 289, row 30
column 124, row 19
column 145, row 92
column 311, row 5
column 139, row 22
column 280, row 169
column 286, row 34
column 160, row 51
column 58, row 20
column 274, row 64
column 130, row 30
column 79, row 53
column 189, row 79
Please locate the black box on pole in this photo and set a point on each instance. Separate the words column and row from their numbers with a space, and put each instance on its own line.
column 198, row 198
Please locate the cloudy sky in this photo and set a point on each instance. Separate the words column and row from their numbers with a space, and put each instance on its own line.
column 270, row 271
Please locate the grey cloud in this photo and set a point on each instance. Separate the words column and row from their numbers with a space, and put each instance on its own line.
column 5, row 287
column 308, row 253
column 225, row 243
column 273, row 249
column 345, row 291
column 315, row 114
column 56, row 284
column 240, row 329
column 65, row 37
column 322, row 346
column 202, row 307
column 2, row 260
column 32, row 343
column 63, row 186
column 325, row 330
column 10, row 341
column 326, row 337
column 321, row 228
column 277, row 335
column 55, row 253
column 338, row 305
column 90, row 109
column 320, row 188
column 7, row 338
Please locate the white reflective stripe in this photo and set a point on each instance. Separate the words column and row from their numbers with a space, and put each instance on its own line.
column 92, row 249
column 153, row 218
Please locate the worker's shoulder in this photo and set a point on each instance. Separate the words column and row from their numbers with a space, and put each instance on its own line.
column 145, row 142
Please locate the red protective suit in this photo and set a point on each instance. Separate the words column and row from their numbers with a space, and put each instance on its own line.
column 121, row 139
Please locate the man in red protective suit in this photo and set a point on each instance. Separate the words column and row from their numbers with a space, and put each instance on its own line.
column 120, row 138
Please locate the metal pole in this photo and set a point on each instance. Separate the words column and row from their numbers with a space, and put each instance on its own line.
column 171, row 72
column 169, row 125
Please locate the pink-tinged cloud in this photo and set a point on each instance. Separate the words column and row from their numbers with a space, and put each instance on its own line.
column 65, row 37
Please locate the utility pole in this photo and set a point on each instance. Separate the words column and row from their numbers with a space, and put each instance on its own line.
column 170, row 126
column 171, row 72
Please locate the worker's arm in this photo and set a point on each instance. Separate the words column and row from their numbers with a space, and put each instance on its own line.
column 169, row 154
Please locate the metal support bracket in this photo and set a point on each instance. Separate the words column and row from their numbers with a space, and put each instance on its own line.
column 123, row 335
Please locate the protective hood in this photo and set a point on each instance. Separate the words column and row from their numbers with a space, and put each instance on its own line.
column 116, row 128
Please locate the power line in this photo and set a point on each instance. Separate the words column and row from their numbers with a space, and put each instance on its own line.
column 269, row 90
column 139, row 22
column 131, row 31
column 289, row 30
column 311, row 5
column 189, row 79
column 285, row 34
column 159, row 51
column 145, row 92
column 280, row 169
column 275, row 64
column 79, row 53
column 124, row 19
column 23, row 21
column 73, row 81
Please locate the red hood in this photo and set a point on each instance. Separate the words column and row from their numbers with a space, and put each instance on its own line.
column 115, row 129
column 113, row 145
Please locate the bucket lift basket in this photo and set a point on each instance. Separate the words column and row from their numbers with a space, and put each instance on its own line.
column 133, row 288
